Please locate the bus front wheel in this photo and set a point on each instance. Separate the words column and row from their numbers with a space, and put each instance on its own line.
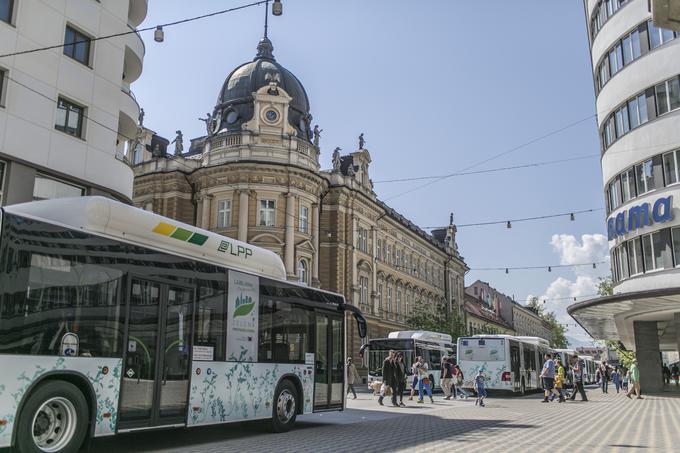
column 285, row 407
column 54, row 419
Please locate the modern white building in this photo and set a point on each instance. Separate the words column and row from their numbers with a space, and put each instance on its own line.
column 636, row 68
column 66, row 113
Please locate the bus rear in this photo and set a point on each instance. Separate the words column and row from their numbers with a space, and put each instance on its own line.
column 489, row 354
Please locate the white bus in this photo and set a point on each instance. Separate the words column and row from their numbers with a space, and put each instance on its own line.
column 115, row 319
column 432, row 346
column 589, row 369
column 566, row 356
column 509, row 363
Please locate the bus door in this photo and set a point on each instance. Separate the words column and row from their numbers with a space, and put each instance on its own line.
column 515, row 364
column 329, row 368
column 155, row 381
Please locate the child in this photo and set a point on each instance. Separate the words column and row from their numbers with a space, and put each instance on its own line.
column 479, row 388
column 625, row 381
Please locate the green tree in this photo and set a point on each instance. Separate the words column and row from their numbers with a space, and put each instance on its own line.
column 436, row 318
column 605, row 287
column 557, row 330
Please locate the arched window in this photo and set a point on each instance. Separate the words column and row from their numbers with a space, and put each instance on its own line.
column 302, row 271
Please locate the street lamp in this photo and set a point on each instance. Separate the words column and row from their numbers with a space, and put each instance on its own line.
column 277, row 8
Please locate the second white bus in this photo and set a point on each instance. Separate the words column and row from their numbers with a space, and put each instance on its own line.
column 509, row 363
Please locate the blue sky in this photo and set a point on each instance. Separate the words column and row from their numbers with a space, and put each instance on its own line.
column 436, row 87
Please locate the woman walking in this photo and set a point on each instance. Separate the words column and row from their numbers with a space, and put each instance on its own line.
column 400, row 371
column 422, row 369
column 616, row 378
column 352, row 377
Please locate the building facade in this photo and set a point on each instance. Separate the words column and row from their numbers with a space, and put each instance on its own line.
column 256, row 176
column 636, row 69
column 66, row 113
column 524, row 321
column 480, row 318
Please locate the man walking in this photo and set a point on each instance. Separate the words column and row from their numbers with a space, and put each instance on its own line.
column 445, row 381
column 603, row 373
column 634, row 380
column 389, row 379
column 548, row 378
column 577, row 371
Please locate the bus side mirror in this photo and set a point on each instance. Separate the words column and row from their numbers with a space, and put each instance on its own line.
column 361, row 324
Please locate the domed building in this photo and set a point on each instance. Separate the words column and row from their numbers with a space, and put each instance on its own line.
column 256, row 176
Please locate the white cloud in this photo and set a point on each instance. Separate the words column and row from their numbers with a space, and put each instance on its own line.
column 591, row 249
column 563, row 292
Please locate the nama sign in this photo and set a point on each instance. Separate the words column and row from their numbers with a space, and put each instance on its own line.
column 638, row 216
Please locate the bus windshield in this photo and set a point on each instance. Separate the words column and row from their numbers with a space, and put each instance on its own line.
column 482, row 349
column 379, row 349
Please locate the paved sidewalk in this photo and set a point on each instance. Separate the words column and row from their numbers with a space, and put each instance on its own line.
column 606, row 423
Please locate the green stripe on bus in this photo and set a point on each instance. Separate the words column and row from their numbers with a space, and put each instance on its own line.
column 181, row 234
column 198, row 239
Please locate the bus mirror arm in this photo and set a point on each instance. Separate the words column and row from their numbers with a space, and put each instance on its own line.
column 358, row 316
column 362, row 349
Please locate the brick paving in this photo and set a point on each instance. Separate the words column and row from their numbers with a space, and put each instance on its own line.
column 608, row 422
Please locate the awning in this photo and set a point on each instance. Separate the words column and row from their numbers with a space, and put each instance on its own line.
column 612, row 317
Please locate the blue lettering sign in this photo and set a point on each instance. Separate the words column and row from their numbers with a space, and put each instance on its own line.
column 639, row 216
column 667, row 214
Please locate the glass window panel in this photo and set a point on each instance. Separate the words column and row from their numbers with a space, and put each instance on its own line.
column 47, row 188
column 62, row 110
column 661, row 98
column 662, row 252
column 6, row 10
column 654, row 36
column 634, row 257
column 674, row 93
column 666, row 35
column 628, row 185
column 627, row 50
column 623, row 252
column 676, row 245
column 670, row 168
column 224, row 213
column 642, row 108
column 82, row 51
column 614, row 197
column 648, row 252
column 635, row 44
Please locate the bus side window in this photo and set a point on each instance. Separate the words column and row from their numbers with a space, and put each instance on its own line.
column 211, row 310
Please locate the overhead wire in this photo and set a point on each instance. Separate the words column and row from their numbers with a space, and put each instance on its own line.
column 137, row 30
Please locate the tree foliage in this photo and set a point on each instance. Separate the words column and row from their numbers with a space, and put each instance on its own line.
column 437, row 318
column 557, row 330
column 605, row 286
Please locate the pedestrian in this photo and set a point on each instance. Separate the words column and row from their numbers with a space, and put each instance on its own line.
column 400, row 372
column 422, row 370
column 603, row 376
column 446, row 374
column 634, row 380
column 454, row 378
column 480, row 389
column 352, row 377
column 559, row 379
column 548, row 378
column 666, row 373
column 389, row 379
column 616, row 378
column 624, row 383
column 577, row 373
column 460, row 379
column 675, row 371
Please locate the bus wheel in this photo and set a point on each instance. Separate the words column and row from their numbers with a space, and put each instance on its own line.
column 285, row 407
column 523, row 388
column 53, row 420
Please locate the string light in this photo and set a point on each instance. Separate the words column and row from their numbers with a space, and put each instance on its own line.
column 158, row 30
column 550, row 267
column 508, row 225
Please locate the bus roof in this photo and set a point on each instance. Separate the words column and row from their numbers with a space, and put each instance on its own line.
column 422, row 335
column 111, row 218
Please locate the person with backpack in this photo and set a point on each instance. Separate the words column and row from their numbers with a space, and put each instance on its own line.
column 577, row 373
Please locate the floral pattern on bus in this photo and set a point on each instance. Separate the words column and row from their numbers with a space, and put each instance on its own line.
column 493, row 376
column 231, row 391
column 103, row 374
